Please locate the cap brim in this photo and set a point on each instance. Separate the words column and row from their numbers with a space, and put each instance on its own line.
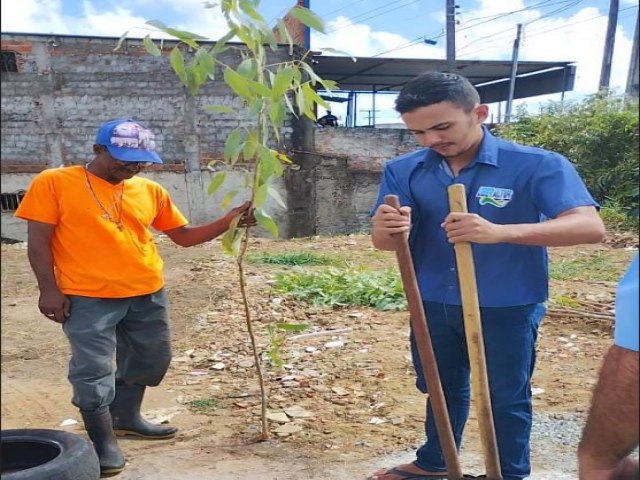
column 133, row 154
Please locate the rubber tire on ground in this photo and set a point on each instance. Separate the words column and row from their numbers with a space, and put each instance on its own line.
column 39, row 454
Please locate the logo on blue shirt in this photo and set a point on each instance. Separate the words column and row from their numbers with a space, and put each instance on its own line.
column 498, row 197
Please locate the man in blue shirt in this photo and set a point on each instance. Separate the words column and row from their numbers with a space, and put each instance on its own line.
column 611, row 432
column 520, row 200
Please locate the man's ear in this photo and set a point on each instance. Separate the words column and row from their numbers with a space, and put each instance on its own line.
column 98, row 149
column 482, row 112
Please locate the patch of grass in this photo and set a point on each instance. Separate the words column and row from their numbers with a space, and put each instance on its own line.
column 597, row 267
column 291, row 259
column 618, row 218
column 345, row 287
column 204, row 406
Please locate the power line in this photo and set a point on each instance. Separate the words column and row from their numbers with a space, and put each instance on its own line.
column 488, row 18
column 510, row 29
column 362, row 17
column 555, row 28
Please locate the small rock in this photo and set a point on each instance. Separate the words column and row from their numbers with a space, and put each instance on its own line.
column 334, row 344
column 297, row 411
column 218, row 366
column 288, row 429
column 278, row 417
column 377, row 421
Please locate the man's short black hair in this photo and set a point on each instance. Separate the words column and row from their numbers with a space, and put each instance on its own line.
column 436, row 87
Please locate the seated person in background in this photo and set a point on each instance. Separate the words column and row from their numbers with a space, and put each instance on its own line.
column 329, row 120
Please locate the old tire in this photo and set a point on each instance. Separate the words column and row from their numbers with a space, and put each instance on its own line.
column 38, row 454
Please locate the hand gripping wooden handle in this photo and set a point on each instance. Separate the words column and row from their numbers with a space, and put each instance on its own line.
column 425, row 350
column 475, row 342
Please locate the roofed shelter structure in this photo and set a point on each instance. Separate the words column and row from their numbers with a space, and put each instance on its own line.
column 373, row 76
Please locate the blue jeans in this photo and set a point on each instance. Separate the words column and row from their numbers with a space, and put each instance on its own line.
column 509, row 338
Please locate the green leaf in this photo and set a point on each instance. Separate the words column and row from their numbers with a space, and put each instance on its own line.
column 246, row 36
column 216, row 182
column 233, row 146
column 151, row 47
column 177, row 62
column 307, row 17
column 282, row 82
column 250, row 146
column 247, row 8
column 255, row 107
column 228, row 198
column 157, row 24
column 260, row 89
column 221, row 44
column 293, row 327
column 283, row 30
column 273, row 193
column 121, row 40
column 218, row 109
column 206, row 62
column 260, row 196
column 248, row 68
column 266, row 222
column 237, row 83
column 232, row 237
column 277, row 113
column 269, row 165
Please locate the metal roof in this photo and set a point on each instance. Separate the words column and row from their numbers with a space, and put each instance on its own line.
column 491, row 77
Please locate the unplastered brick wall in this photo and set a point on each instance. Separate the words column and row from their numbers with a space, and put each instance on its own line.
column 348, row 171
column 66, row 86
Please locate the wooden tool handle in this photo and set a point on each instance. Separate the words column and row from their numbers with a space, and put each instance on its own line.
column 475, row 342
column 425, row 350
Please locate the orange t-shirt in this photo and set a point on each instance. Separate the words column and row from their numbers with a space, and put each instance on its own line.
column 92, row 256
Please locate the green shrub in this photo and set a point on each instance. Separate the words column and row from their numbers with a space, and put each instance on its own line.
column 345, row 287
column 290, row 259
column 598, row 267
column 600, row 135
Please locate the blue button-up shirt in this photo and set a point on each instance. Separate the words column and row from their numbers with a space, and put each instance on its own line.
column 506, row 183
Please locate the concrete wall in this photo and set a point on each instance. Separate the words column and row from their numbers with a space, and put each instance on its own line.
column 350, row 161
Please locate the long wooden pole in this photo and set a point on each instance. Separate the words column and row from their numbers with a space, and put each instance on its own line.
column 418, row 321
column 475, row 341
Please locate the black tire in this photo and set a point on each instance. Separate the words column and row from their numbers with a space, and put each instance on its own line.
column 38, row 454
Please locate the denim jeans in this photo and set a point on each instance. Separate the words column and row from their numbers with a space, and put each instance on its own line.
column 510, row 335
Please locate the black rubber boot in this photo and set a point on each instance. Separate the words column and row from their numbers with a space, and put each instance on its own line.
column 97, row 423
column 127, row 420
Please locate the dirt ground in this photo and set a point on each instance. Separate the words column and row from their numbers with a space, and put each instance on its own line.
column 355, row 405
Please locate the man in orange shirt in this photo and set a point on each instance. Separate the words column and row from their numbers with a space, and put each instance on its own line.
column 100, row 276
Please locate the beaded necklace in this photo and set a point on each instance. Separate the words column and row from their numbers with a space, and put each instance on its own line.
column 116, row 204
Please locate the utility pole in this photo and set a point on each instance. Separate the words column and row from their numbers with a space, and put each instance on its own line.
column 632, row 78
column 605, row 72
column 514, row 72
column 451, row 35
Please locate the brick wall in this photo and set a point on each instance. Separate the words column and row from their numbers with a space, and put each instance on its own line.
column 67, row 86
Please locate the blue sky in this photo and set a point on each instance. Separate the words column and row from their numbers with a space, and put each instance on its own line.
column 555, row 30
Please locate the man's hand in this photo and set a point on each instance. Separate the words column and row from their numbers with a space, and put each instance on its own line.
column 247, row 219
column 470, row 227
column 386, row 223
column 388, row 220
column 54, row 305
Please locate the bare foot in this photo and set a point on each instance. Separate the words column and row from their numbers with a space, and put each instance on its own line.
column 405, row 471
